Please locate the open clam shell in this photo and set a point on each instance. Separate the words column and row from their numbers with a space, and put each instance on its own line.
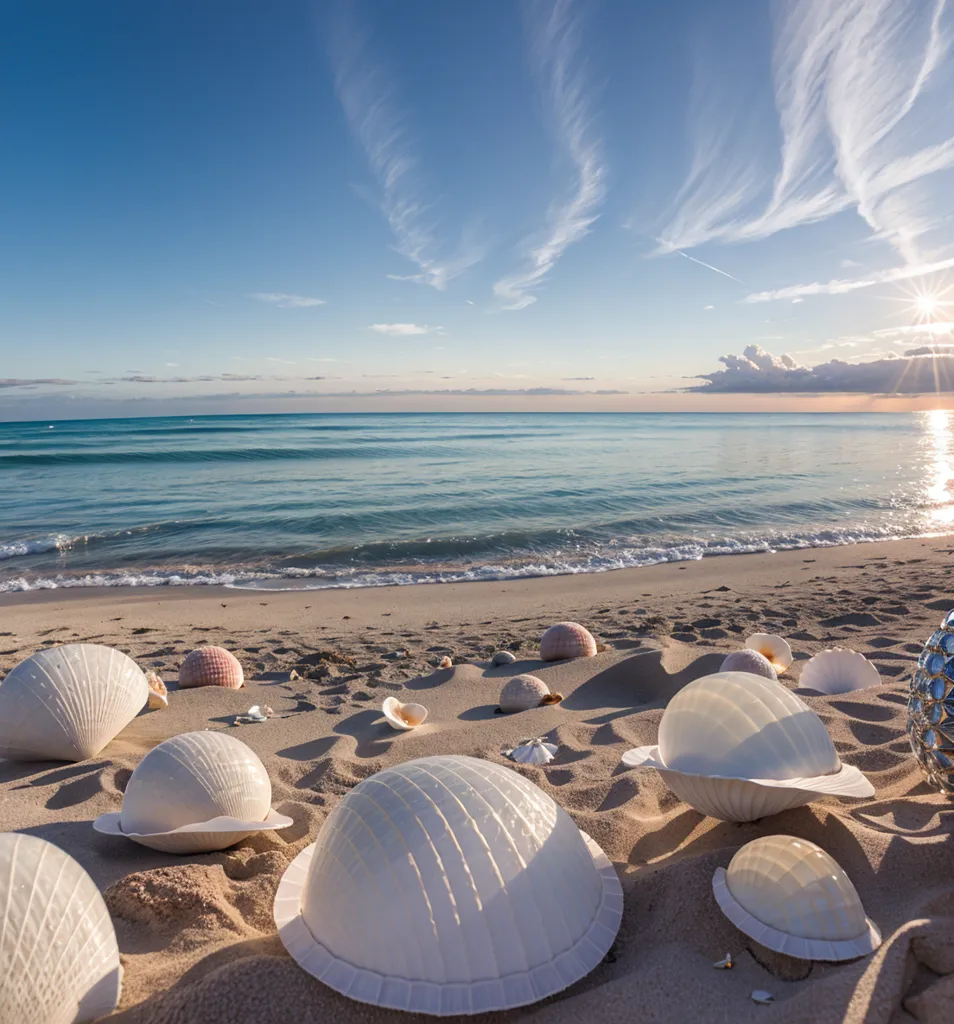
column 58, row 950
column 838, row 671
column 403, row 716
column 773, row 647
column 66, row 703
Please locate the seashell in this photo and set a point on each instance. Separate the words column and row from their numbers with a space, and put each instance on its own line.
column 520, row 693
column 838, row 671
column 67, row 703
column 503, row 658
column 255, row 714
column 211, row 666
column 775, row 648
column 196, row 792
column 403, row 716
column 748, row 660
column 739, row 747
column 760, row 996
column 158, row 694
column 725, row 964
column 59, row 961
column 789, row 895
column 445, row 662
column 567, row 640
column 536, row 751
column 503, row 903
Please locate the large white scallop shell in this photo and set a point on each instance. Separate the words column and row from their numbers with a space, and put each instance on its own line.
column 67, row 703
column 403, row 716
column 196, row 792
column 739, row 747
column 567, row 640
column 449, row 885
column 775, row 648
column 59, row 961
column 520, row 693
column 792, row 897
column 838, row 671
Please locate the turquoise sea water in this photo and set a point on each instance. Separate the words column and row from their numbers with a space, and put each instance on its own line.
column 363, row 500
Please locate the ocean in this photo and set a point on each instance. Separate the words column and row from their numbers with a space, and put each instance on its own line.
column 312, row 501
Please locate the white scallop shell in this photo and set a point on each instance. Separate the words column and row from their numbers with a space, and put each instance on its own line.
column 775, row 648
column 536, row 751
column 520, row 693
column 789, row 895
column 748, row 660
column 838, row 671
column 739, row 747
column 196, row 792
column 403, row 716
column 567, row 640
column 66, row 703
column 449, row 885
column 59, row 961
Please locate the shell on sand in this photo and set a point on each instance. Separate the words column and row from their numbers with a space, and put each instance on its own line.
column 792, row 897
column 211, row 666
column 838, row 671
column 67, row 703
column 58, row 950
column 158, row 694
column 490, row 850
column 503, row 658
column 193, row 793
column 775, row 648
column 748, row 660
column 739, row 747
column 520, row 693
column 536, row 751
column 567, row 640
column 403, row 716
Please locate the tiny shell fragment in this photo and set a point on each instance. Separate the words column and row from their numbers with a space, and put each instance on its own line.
column 725, row 964
column 762, row 997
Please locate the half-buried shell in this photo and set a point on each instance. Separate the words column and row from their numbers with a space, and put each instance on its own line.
column 403, row 716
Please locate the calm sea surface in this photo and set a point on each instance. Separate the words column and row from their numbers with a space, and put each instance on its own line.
column 332, row 500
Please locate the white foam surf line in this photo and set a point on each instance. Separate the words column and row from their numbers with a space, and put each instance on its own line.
column 318, row 579
column 38, row 545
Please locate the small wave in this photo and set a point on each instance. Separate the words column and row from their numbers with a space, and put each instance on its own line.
column 317, row 578
column 37, row 545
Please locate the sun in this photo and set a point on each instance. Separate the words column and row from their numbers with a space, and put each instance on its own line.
column 927, row 305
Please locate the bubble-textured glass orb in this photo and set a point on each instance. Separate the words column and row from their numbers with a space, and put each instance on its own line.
column 931, row 708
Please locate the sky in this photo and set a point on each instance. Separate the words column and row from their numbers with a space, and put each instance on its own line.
column 230, row 206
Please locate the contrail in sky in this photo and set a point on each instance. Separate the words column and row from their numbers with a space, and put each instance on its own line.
column 710, row 266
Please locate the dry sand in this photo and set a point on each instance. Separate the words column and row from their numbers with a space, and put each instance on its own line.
column 196, row 933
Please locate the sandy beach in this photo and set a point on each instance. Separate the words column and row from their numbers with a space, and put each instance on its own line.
column 196, row 932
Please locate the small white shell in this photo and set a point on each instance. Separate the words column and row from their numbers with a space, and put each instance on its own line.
column 196, row 792
column 536, row 751
column 838, row 671
column 748, row 660
column 520, row 693
column 67, row 703
column 503, row 658
column 789, row 895
column 403, row 716
column 775, row 648
column 567, row 640
column 59, row 961
column 158, row 694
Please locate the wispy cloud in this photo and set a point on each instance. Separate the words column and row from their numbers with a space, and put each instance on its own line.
column 368, row 97
column 403, row 330
column 841, row 286
column 287, row 300
column 554, row 43
column 29, row 382
column 858, row 86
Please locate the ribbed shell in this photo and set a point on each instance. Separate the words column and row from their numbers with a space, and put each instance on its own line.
column 192, row 778
column 775, row 648
column 67, row 703
column 795, row 886
column 735, row 799
column 211, row 666
column 567, row 640
column 838, row 671
column 740, row 725
column 534, row 752
column 452, row 885
column 59, row 961
column 749, row 661
column 520, row 693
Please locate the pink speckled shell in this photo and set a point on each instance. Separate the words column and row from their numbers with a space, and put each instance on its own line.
column 211, row 666
column 567, row 640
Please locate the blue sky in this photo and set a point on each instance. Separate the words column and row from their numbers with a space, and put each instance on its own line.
column 236, row 206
